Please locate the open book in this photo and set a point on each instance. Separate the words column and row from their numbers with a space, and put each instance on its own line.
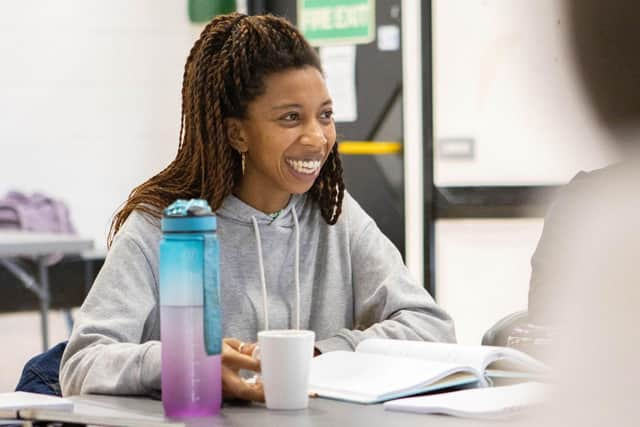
column 381, row 370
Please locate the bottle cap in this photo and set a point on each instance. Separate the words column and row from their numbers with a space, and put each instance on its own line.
column 192, row 215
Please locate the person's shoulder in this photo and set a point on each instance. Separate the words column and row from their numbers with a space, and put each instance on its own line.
column 141, row 227
column 351, row 219
column 585, row 192
column 598, row 176
column 353, row 214
column 583, row 185
column 351, row 205
column 140, row 221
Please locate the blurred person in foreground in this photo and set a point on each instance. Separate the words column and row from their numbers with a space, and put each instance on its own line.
column 586, row 269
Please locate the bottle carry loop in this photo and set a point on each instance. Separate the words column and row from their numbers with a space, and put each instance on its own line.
column 212, row 317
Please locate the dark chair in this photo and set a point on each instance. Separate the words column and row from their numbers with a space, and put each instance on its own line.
column 40, row 373
column 499, row 333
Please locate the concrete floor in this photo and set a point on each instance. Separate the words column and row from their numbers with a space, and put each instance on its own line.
column 21, row 340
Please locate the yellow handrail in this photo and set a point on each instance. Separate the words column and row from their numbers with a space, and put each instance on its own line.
column 369, row 147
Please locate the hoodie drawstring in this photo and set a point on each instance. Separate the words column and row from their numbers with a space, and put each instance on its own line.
column 263, row 282
column 297, row 267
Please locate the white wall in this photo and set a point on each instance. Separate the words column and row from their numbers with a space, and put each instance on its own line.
column 90, row 103
column 503, row 76
column 482, row 270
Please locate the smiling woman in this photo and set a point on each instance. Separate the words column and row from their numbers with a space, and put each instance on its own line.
column 258, row 142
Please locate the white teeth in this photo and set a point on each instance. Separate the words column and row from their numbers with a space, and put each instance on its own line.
column 305, row 166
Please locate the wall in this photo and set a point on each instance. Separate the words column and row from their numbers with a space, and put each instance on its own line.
column 503, row 77
column 482, row 270
column 90, row 103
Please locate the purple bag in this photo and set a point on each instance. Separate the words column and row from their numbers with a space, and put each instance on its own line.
column 37, row 212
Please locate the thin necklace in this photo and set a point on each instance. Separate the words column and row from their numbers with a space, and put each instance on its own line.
column 275, row 215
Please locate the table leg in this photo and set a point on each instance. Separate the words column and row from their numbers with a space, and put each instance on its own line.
column 43, row 275
column 88, row 275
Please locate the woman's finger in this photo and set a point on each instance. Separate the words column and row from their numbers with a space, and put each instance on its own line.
column 233, row 343
column 248, row 348
column 253, row 392
column 241, row 347
column 235, row 360
column 233, row 386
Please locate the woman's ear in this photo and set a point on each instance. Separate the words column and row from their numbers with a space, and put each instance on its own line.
column 236, row 135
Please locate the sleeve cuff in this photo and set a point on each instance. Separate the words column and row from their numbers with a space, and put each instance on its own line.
column 150, row 371
column 333, row 344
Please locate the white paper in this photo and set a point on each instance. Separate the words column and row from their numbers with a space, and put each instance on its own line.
column 339, row 63
column 388, row 37
column 494, row 402
column 22, row 400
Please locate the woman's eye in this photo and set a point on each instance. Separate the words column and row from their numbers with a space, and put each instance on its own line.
column 327, row 114
column 290, row 117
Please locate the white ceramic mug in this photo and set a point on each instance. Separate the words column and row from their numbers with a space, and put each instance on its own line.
column 285, row 360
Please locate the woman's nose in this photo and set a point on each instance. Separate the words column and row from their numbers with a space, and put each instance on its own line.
column 315, row 135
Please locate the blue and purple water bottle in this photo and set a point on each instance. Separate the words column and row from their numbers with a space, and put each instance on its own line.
column 190, row 315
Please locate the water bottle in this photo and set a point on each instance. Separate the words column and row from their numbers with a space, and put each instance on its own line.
column 190, row 317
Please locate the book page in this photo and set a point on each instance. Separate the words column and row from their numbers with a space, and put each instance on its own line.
column 474, row 356
column 479, row 357
column 370, row 377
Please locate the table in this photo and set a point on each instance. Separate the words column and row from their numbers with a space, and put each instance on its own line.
column 142, row 412
column 39, row 246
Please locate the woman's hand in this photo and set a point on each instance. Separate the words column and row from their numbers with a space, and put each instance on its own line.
column 236, row 355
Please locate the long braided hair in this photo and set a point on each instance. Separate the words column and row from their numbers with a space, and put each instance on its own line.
column 224, row 72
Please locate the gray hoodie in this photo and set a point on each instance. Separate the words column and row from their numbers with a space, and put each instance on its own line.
column 353, row 285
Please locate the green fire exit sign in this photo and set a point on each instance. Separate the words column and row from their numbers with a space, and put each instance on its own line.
column 331, row 22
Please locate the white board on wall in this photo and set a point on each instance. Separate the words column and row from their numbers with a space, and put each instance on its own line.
column 504, row 79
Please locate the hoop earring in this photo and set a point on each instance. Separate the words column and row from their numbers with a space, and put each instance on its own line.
column 243, row 156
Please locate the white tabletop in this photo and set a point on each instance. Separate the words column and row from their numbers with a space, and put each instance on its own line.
column 25, row 243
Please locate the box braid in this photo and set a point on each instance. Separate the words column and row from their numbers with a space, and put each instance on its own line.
column 224, row 72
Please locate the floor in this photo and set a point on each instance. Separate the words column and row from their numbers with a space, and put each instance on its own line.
column 20, row 335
